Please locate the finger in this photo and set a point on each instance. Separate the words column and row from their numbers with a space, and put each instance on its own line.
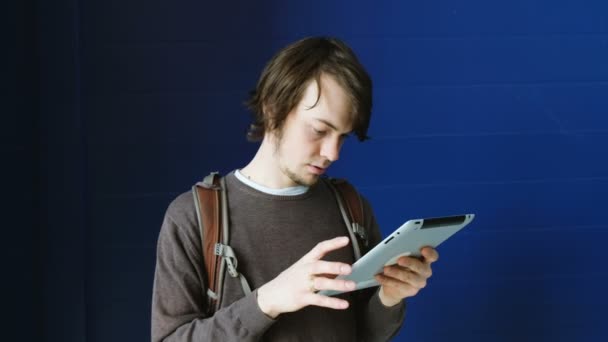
column 321, row 267
column 326, row 302
column 321, row 283
column 405, row 276
column 414, row 264
column 403, row 289
column 325, row 275
column 417, row 266
column 325, row 247
column 430, row 254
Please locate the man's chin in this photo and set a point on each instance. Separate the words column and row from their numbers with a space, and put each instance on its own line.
column 313, row 180
column 309, row 180
column 303, row 177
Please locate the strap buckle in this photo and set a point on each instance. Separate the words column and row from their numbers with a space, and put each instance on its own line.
column 227, row 253
column 359, row 230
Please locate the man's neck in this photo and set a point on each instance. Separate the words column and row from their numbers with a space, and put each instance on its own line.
column 264, row 168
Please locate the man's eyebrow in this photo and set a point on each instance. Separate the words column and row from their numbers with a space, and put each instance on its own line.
column 332, row 126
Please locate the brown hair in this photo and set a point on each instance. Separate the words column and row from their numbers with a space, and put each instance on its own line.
column 285, row 77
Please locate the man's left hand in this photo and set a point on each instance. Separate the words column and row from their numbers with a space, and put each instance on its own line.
column 407, row 277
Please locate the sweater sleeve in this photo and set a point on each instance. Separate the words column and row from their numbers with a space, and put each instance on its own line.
column 178, row 300
column 380, row 323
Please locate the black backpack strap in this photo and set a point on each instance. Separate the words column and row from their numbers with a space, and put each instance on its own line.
column 210, row 201
column 351, row 208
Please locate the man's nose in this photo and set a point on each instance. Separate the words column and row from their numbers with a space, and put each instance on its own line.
column 331, row 150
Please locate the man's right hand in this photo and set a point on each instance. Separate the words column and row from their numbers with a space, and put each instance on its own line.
column 296, row 287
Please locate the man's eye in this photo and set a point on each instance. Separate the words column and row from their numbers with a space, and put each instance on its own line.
column 318, row 131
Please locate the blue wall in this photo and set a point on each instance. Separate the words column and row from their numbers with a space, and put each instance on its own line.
column 494, row 108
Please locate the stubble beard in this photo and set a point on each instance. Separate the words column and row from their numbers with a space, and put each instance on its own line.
column 291, row 174
column 297, row 179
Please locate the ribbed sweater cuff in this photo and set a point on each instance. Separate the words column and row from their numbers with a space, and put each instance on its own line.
column 255, row 319
column 395, row 312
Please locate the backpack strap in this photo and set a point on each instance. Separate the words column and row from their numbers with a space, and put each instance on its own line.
column 210, row 201
column 351, row 208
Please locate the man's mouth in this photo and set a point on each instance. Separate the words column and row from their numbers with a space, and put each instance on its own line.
column 317, row 170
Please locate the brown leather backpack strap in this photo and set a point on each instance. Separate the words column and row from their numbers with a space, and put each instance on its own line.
column 211, row 203
column 354, row 206
column 352, row 200
column 207, row 199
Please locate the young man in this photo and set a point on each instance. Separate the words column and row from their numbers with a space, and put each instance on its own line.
column 285, row 225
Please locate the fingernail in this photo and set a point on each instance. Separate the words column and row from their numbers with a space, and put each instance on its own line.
column 350, row 285
column 344, row 269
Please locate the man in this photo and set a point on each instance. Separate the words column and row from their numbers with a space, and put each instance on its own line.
column 285, row 225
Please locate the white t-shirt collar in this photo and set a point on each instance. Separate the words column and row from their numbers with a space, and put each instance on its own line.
column 290, row 191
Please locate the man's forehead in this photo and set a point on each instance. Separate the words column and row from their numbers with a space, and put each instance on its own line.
column 332, row 106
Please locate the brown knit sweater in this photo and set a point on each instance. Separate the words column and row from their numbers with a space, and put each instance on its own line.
column 268, row 234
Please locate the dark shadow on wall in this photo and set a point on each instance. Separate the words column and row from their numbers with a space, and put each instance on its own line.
column 20, row 151
column 62, row 172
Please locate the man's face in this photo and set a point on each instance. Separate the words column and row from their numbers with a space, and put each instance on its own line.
column 311, row 137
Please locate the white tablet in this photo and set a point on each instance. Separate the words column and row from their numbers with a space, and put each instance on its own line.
column 406, row 240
